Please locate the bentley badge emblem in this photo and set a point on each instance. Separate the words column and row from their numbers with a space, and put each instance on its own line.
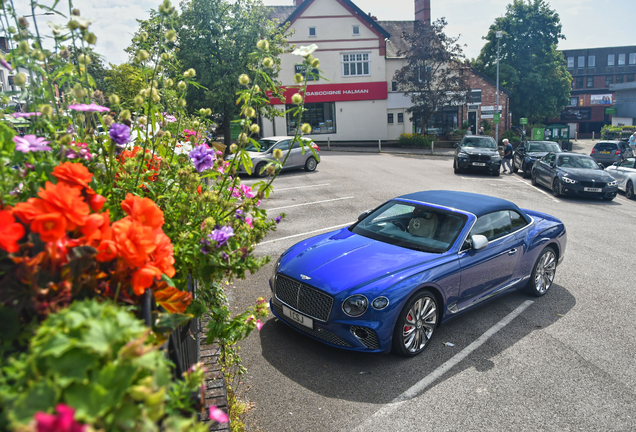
column 303, row 277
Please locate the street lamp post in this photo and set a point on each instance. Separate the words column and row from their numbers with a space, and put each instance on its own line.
column 499, row 34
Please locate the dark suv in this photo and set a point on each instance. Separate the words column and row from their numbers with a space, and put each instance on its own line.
column 477, row 152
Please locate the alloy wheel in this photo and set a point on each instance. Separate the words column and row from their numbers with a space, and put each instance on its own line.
column 544, row 272
column 556, row 190
column 419, row 324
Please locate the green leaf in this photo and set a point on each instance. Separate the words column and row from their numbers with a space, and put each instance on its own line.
column 168, row 322
column 100, row 336
column 6, row 138
column 39, row 397
column 71, row 366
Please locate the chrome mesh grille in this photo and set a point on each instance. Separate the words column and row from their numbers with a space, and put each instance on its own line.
column 319, row 333
column 479, row 158
column 371, row 341
column 303, row 298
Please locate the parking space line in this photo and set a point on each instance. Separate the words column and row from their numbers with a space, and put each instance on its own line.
column 537, row 189
column 301, row 187
column 442, row 369
column 306, row 233
column 306, row 204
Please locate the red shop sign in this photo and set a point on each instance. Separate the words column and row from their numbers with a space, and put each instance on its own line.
column 338, row 92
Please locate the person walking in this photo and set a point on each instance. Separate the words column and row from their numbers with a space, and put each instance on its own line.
column 481, row 131
column 632, row 143
column 507, row 155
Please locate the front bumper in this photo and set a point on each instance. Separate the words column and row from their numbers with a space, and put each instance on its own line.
column 579, row 190
column 489, row 165
column 371, row 336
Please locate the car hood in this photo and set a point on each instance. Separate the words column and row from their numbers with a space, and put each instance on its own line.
column 476, row 150
column 342, row 260
column 586, row 174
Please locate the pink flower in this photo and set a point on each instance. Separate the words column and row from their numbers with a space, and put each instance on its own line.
column 29, row 114
column 249, row 222
column 89, row 108
column 30, row 143
column 247, row 191
column 217, row 414
column 259, row 324
column 63, row 422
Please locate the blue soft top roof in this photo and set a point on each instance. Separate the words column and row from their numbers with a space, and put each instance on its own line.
column 476, row 204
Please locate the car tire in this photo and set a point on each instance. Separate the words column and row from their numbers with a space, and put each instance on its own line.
column 455, row 169
column 514, row 168
column 311, row 164
column 260, row 167
column 556, row 188
column 543, row 273
column 533, row 178
column 525, row 173
column 412, row 333
column 629, row 190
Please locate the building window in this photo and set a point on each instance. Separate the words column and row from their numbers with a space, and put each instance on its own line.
column 320, row 116
column 632, row 59
column 621, row 59
column 301, row 69
column 570, row 62
column 579, row 82
column 356, row 30
column 312, row 31
column 390, row 118
column 610, row 59
column 590, row 81
column 394, row 86
column 475, row 96
column 580, row 62
column 591, row 61
column 619, row 79
column 355, row 64
column 400, row 117
column 574, row 101
column 630, row 77
column 609, row 79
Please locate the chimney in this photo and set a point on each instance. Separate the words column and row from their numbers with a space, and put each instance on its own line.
column 298, row 2
column 423, row 11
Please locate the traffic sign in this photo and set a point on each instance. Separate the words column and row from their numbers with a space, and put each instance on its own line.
column 496, row 118
column 523, row 121
column 610, row 110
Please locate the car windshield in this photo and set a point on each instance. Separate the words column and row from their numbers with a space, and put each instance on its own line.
column 487, row 143
column 584, row 162
column 543, row 147
column 412, row 226
column 264, row 145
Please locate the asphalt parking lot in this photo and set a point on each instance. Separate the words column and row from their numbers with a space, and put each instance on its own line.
column 560, row 362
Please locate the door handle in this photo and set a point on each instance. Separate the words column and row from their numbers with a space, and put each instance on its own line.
column 512, row 251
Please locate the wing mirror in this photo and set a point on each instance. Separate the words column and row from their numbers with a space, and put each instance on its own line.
column 479, row 241
column 456, row 145
column 601, row 166
column 615, row 164
column 363, row 215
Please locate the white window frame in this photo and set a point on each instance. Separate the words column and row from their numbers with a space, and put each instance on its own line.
column 315, row 32
column 632, row 58
column 591, row 61
column 390, row 118
column 353, row 30
column 613, row 59
column 621, row 57
column 571, row 62
column 475, row 91
column 398, row 118
column 349, row 62
column 580, row 62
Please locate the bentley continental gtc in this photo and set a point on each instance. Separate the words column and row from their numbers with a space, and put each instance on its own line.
column 389, row 280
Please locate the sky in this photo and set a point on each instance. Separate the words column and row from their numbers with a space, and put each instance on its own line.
column 586, row 23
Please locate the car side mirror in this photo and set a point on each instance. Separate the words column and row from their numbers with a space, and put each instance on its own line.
column 601, row 166
column 478, row 241
column 552, row 164
column 456, row 145
column 615, row 164
column 363, row 215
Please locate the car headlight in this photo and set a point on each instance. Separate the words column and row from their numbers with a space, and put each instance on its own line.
column 612, row 183
column 495, row 157
column 463, row 155
column 355, row 305
column 380, row 303
column 567, row 180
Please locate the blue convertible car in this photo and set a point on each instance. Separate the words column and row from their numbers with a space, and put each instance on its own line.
column 386, row 282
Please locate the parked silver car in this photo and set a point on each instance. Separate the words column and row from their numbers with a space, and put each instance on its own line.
column 625, row 175
column 298, row 158
column 608, row 152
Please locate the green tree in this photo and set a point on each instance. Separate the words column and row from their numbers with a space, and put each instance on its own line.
column 215, row 38
column 95, row 68
column 530, row 65
column 433, row 76
column 124, row 80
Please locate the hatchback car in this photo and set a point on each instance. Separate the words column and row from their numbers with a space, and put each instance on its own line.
column 389, row 280
column 299, row 157
column 608, row 152
column 477, row 152
column 574, row 174
column 527, row 153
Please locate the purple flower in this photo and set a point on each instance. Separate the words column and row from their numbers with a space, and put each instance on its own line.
column 119, row 133
column 221, row 235
column 5, row 63
column 224, row 256
column 89, row 108
column 202, row 157
column 277, row 218
column 169, row 118
column 30, row 143
column 27, row 115
column 238, row 214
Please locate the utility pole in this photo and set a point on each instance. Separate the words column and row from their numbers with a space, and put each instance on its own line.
column 499, row 34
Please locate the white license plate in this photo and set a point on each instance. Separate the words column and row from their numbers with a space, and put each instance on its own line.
column 592, row 189
column 299, row 318
column 479, row 163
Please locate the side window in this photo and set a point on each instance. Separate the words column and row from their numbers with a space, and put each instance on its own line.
column 517, row 221
column 550, row 158
column 283, row 145
column 482, row 227
column 628, row 163
column 501, row 225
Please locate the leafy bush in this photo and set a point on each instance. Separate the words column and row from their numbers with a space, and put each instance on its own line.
column 512, row 137
column 415, row 140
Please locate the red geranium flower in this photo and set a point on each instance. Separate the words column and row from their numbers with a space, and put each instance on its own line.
column 64, row 421
column 10, row 232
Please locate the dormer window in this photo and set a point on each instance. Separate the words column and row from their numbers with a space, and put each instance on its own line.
column 356, row 30
column 312, row 31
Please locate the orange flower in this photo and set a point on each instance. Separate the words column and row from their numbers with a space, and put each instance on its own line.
column 143, row 278
column 50, row 226
column 95, row 200
column 27, row 211
column 106, row 251
column 199, row 190
column 163, row 256
column 143, row 210
column 93, row 224
column 73, row 174
column 61, row 198
column 10, row 232
column 135, row 242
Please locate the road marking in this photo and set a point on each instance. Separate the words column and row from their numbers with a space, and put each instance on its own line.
column 307, row 233
column 441, row 370
column 302, row 187
column 305, row 204
column 538, row 189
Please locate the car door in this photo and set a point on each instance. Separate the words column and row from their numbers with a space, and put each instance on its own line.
column 520, row 155
column 284, row 147
column 623, row 171
column 297, row 158
column 485, row 271
column 542, row 169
